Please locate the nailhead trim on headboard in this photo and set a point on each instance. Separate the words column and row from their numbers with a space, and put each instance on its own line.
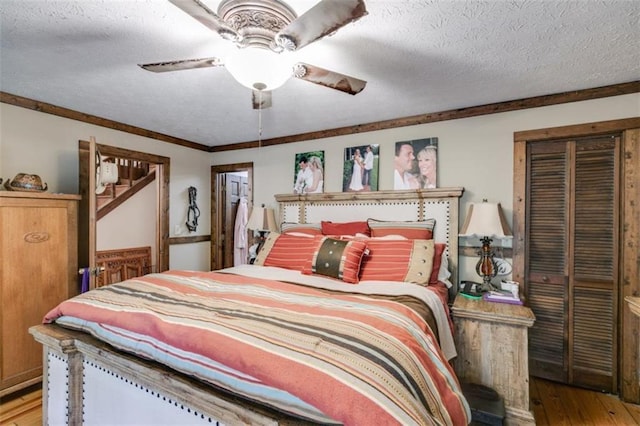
column 413, row 205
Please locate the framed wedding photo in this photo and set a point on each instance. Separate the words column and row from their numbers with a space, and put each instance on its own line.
column 360, row 171
column 415, row 164
column 309, row 173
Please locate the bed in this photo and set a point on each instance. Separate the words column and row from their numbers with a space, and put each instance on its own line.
column 304, row 336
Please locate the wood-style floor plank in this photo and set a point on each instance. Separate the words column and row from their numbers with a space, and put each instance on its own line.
column 550, row 401
column 597, row 411
column 557, row 404
column 579, row 406
column 22, row 410
column 620, row 414
column 538, row 409
column 552, row 404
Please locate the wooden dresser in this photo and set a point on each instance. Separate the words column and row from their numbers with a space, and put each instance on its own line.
column 491, row 340
column 38, row 269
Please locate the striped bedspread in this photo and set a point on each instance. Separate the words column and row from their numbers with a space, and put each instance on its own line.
column 321, row 355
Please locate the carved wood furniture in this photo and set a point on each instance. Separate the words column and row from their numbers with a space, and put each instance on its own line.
column 121, row 264
column 38, row 270
column 491, row 339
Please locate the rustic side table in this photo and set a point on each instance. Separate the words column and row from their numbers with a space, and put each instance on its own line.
column 491, row 340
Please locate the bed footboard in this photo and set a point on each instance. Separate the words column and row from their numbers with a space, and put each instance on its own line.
column 87, row 381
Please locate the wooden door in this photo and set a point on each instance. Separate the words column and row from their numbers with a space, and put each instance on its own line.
column 219, row 212
column 235, row 189
column 593, row 284
column 87, row 208
column 571, row 268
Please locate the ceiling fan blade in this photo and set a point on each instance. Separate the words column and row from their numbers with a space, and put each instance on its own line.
column 324, row 18
column 207, row 17
column 261, row 99
column 187, row 64
column 330, row 79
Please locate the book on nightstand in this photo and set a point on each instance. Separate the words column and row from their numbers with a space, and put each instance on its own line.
column 501, row 297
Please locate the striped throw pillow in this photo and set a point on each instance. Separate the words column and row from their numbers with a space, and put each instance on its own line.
column 286, row 251
column 398, row 260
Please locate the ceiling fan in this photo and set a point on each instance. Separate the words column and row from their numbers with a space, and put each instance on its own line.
column 264, row 31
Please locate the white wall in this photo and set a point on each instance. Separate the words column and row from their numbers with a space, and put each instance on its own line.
column 475, row 153
column 129, row 225
column 47, row 145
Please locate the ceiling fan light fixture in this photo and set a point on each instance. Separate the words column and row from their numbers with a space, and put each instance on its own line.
column 258, row 68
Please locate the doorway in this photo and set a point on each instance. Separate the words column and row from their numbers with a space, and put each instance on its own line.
column 229, row 184
column 88, row 211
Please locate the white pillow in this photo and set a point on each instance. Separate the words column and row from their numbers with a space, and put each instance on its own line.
column 300, row 234
column 386, row 237
column 443, row 273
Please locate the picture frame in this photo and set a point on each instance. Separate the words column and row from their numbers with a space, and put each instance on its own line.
column 415, row 164
column 361, row 168
column 308, row 177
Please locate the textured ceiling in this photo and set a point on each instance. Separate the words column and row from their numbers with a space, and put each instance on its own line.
column 418, row 57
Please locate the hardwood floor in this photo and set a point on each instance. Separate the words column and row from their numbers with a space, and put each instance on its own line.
column 552, row 404
column 556, row 404
column 24, row 408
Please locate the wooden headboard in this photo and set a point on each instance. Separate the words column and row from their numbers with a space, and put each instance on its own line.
column 441, row 204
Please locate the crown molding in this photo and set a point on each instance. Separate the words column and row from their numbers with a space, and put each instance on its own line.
column 454, row 114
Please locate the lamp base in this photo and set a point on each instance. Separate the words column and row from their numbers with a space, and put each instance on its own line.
column 261, row 240
column 486, row 266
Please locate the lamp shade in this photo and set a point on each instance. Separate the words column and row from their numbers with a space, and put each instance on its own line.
column 259, row 68
column 262, row 219
column 485, row 220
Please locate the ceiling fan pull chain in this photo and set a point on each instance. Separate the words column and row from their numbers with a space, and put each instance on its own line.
column 260, row 120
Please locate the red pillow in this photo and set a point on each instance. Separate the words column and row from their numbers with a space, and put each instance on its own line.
column 335, row 258
column 286, row 251
column 345, row 228
column 413, row 230
column 437, row 260
column 398, row 260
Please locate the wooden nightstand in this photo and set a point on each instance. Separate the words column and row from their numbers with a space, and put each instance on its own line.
column 491, row 340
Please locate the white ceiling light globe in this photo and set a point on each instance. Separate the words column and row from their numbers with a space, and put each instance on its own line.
column 258, row 68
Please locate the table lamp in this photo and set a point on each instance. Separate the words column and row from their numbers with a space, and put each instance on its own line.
column 263, row 220
column 486, row 221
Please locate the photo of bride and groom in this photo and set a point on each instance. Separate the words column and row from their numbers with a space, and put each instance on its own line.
column 415, row 164
column 361, row 168
column 309, row 173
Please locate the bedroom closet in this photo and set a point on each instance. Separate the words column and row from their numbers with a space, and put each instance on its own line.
column 572, row 251
column 572, row 267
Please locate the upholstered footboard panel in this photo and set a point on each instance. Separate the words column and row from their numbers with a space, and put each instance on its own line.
column 56, row 389
column 86, row 381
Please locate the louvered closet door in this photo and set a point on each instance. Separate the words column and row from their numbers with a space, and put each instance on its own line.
column 572, row 266
column 593, row 280
column 547, row 263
